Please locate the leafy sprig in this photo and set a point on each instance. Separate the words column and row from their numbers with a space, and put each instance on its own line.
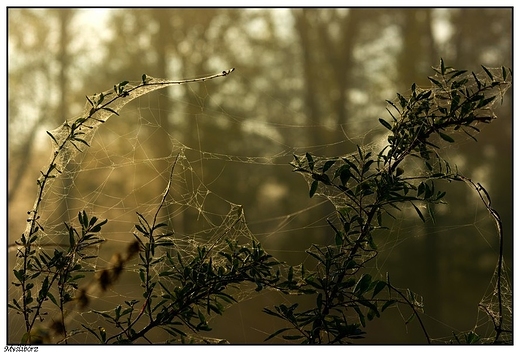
column 365, row 186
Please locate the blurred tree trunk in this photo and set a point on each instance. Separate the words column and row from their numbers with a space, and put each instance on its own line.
column 21, row 23
column 162, row 46
column 22, row 156
column 313, row 79
column 485, row 37
column 327, row 64
column 418, row 53
column 310, row 66
column 415, row 60
column 64, row 17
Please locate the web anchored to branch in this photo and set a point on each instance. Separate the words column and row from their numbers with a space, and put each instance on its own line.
column 73, row 137
column 181, row 211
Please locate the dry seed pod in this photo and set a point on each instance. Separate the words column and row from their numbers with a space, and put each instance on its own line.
column 104, row 279
column 132, row 250
column 82, row 298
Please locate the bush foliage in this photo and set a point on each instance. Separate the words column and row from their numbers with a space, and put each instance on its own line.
column 366, row 187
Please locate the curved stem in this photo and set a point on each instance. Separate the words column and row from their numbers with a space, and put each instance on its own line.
column 498, row 222
column 414, row 311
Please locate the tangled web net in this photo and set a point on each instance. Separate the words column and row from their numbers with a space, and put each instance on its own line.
column 169, row 182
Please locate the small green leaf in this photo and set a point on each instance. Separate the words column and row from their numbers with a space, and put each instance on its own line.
column 159, row 226
column 321, row 177
column 96, row 228
column 366, row 166
column 379, row 286
column 19, row 274
column 372, row 243
column 434, row 81
column 319, row 301
column 413, row 88
column 344, row 175
column 217, row 308
column 388, row 304
column 361, row 316
column 328, row 165
column 363, row 284
column 472, row 338
column 504, row 73
column 202, row 318
column 456, row 73
column 111, row 110
column 487, row 72
column 338, row 239
column 446, row 137
column 386, row 124
column 479, row 85
column 81, row 141
column 16, row 305
column 310, row 281
column 485, row 102
column 54, row 139
column 277, row 332
column 143, row 222
column 418, row 212
column 402, row 100
column 102, row 334
column 314, row 187
column 25, row 338
column 290, row 274
column 310, row 161
column 270, row 312
column 83, row 218
column 140, row 229
column 72, row 239
column 420, row 188
column 371, row 314
column 42, row 294
column 51, row 297
column 92, row 221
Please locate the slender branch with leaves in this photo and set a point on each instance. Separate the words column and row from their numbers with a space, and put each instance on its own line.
column 182, row 288
column 69, row 139
column 366, row 186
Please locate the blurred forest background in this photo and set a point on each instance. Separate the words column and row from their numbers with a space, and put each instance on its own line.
column 311, row 80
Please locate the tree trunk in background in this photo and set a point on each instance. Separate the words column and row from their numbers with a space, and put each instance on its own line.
column 416, row 58
column 418, row 52
column 163, row 146
column 344, row 59
column 312, row 71
column 340, row 53
column 23, row 155
column 309, row 65
column 480, row 38
column 64, row 61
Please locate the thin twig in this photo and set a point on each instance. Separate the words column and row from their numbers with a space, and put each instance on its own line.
column 414, row 311
column 166, row 191
column 498, row 222
column 147, row 301
column 45, row 178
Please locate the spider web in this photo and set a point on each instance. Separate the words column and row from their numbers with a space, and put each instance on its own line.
column 127, row 169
